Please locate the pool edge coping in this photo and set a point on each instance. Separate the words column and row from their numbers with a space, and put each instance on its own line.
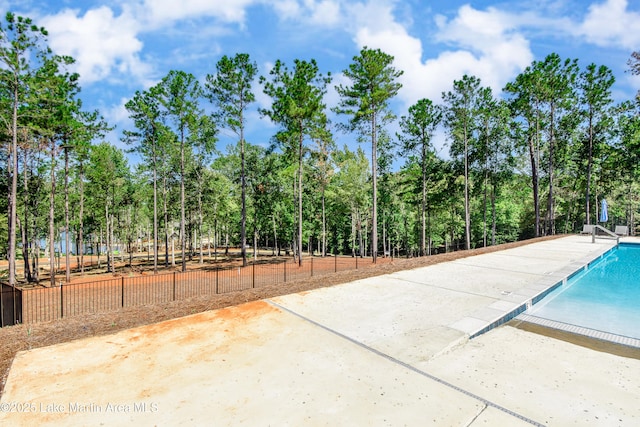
column 559, row 278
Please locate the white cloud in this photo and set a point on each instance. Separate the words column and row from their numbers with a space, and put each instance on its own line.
column 110, row 46
column 483, row 44
column 611, row 24
column 473, row 28
column 490, row 46
column 99, row 41
column 161, row 12
column 117, row 113
column 323, row 13
column 107, row 46
column 287, row 9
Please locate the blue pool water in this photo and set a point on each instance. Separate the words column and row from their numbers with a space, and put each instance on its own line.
column 605, row 297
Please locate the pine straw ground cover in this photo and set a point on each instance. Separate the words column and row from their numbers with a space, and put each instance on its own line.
column 24, row 337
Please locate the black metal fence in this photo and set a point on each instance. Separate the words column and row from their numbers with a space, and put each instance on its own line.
column 49, row 303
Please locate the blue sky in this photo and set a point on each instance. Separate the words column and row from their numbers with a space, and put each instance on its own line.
column 124, row 46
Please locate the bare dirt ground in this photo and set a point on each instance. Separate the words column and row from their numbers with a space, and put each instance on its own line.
column 25, row 337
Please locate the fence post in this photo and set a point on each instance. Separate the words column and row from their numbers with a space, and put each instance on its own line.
column 217, row 270
column 174, row 285
column 285, row 271
column 335, row 263
column 311, row 266
column 253, row 275
column 61, row 301
column 356, row 262
column 122, row 290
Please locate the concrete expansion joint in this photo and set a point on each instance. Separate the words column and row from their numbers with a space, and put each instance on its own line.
column 401, row 279
column 473, row 420
column 494, row 268
column 412, row 368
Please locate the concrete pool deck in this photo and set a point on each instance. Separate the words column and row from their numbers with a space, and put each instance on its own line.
column 387, row 350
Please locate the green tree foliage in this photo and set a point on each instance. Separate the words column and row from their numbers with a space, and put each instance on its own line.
column 22, row 49
column 374, row 82
column 180, row 95
column 544, row 97
column 595, row 95
column 322, row 170
column 231, row 93
column 92, row 127
column 349, row 195
column 634, row 68
column 298, row 108
column 558, row 98
column 54, row 120
column 495, row 155
column 108, row 184
column 418, row 128
column 461, row 107
column 144, row 110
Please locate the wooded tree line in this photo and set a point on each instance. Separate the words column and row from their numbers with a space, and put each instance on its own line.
column 533, row 160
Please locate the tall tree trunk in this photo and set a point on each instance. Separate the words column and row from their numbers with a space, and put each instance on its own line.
column 243, row 215
column 201, row 241
column 12, row 171
column 25, row 224
column 534, row 184
column 36, row 261
column 35, row 243
column 423, row 225
column 166, row 226
column 294, row 239
column 148, row 244
column 52, row 230
column 550, row 206
column 81, row 218
column 384, row 234
column 155, row 214
column 67, row 255
column 275, row 233
column 255, row 243
column 216, row 235
column 587, row 210
column 484, row 210
column 374, row 180
column 107, row 236
column 361, row 246
column 99, row 248
column 493, row 214
column 173, row 252
column 467, row 210
column 183, row 236
column 430, row 238
column 324, row 226
column 353, row 233
column 300, row 201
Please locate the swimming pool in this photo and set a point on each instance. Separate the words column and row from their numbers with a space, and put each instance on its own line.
column 604, row 297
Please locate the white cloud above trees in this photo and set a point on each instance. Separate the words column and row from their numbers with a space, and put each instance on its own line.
column 112, row 42
column 611, row 24
column 487, row 42
column 480, row 43
column 102, row 44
